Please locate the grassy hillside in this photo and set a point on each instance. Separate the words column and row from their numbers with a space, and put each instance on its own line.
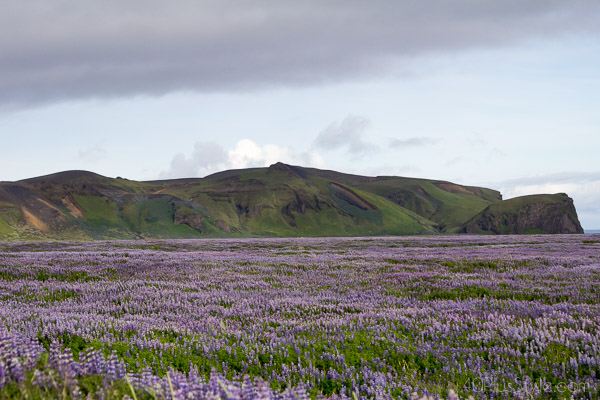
column 280, row 200
column 288, row 201
column 542, row 213
column 447, row 204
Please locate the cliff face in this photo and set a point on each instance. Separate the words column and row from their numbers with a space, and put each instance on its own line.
column 527, row 214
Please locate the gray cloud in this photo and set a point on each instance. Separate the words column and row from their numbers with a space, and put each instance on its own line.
column 347, row 134
column 75, row 49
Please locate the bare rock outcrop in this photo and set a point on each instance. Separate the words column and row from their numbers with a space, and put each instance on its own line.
column 527, row 214
column 195, row 221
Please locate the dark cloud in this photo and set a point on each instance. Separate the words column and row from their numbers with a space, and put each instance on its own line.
column 72, row 49
column 347, row 134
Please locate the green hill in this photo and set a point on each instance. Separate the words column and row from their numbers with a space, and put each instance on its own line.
column 540, row 213
column 281, row 200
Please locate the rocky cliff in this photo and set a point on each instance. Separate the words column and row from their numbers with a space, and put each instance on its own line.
column 527, row 214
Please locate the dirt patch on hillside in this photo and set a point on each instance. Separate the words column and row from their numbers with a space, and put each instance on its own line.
column 193, row 220
column 453, row 188
column 52, row 206
column 72, row 207
column 222, row 225
column 34, row 221
column 356, row 199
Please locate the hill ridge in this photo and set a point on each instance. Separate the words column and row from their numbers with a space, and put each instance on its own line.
column 278, row 200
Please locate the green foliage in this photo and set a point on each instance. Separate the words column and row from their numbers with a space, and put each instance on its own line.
column 462, row 293
column 99, row 211
column 426, row 198
column 557, row 353
column 88, row 385
column 5, row 229
column 66, row 276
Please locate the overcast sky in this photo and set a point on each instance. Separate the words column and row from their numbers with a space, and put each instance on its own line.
column 503, row 94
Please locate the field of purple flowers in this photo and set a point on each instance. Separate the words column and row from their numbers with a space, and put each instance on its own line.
column 445, row 317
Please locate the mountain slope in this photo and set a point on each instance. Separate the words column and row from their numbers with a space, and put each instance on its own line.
column 447, row 204
column 281, row 200
column 542, row 213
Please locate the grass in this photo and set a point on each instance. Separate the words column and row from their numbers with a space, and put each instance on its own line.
column 99, row 211
column 447, row 209
column 5, row 229
column 154, row 217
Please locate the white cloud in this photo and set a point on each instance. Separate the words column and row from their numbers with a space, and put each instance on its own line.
column 411, row 142
column 247, row 154
column 209, row 157
column 206, row 157
column 92, row 153
column 584, row 188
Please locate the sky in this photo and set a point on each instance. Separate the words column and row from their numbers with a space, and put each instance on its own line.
column 501, row 94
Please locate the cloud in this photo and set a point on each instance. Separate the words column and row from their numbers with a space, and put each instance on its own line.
column 347, row 134
column 584, row 188
column 496, row 154
column 95, row 153
column 454, row 161
column 206, row 157
column 75, row 49
column 411, row 142
column 557, row 178
column 246, row 154
column 209, row 157
column 387, row 170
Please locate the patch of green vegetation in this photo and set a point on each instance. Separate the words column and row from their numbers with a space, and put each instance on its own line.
column 534, row 231
column 65, row 276
column 471, row 266
column 59, row 295
column 5, row 229
column 502, row 292
column 134, row 186
column 88, row 386
column 99, row 211
column 9, row 219
column 557, row 353
column 45, row 295
column 461, row 293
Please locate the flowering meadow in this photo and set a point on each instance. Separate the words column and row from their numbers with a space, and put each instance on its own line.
column 498, row 317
